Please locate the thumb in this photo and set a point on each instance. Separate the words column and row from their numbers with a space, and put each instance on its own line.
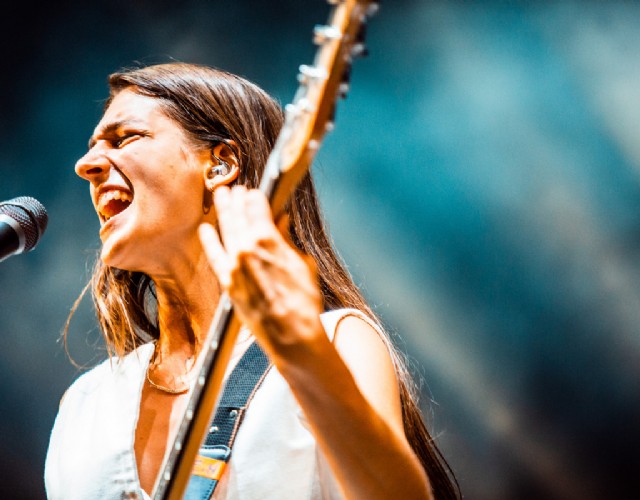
column 283, row 225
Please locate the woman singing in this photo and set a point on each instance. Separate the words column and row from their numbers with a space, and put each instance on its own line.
column 173, row 167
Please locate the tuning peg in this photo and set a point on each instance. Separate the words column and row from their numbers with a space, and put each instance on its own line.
column 323, row 33
column 343, row 90
column 311, row 72
column 359, row 50
column 362, row 30
column 344, row 86
column 373, row 8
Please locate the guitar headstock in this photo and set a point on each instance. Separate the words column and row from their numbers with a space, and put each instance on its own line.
column 341, row 41
column 312, row 112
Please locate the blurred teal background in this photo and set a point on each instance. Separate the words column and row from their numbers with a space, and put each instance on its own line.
column 482, row 184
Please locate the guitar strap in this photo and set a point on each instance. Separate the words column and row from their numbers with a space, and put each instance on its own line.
column 214, row 454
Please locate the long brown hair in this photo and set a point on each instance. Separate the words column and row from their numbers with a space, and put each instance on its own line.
column 215, row 106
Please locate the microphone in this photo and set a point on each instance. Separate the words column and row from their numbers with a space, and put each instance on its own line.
column 22, row 223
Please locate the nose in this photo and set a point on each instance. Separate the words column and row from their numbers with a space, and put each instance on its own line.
column 94, row 166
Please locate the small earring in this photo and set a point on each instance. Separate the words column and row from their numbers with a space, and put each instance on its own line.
column 221, row 169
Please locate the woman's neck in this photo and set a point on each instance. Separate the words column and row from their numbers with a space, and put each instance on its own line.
column 186, row 305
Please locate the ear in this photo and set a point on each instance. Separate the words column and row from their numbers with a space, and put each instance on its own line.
column 224, row 152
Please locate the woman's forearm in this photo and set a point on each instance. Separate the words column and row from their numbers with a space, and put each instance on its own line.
column 369, row 456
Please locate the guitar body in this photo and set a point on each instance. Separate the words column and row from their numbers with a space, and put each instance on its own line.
column 307, row 119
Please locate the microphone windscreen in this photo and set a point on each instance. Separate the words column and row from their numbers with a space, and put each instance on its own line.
column 31, row 216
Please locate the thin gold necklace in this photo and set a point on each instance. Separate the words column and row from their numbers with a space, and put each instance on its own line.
column 165, row 389
column 162, row 388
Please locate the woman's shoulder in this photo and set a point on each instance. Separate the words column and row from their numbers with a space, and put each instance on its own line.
column 332, row 319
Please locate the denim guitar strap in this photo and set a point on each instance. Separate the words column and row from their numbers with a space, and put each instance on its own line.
column 214, row 454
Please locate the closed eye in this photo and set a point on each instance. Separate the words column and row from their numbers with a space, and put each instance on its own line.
column 125, row 139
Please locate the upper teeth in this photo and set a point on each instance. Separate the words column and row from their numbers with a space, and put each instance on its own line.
column 112, row 194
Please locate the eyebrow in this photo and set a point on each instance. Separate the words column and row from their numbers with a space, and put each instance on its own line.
column 110, row 128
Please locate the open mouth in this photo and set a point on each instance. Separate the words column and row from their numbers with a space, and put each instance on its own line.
column 113, row 202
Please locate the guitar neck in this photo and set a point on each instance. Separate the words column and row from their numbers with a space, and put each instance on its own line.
column 307, row 119
column 214, row 358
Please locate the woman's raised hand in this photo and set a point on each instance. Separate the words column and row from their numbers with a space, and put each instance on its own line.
column 272, row 285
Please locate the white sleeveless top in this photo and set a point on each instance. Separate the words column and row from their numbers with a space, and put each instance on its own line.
column 91, row 454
